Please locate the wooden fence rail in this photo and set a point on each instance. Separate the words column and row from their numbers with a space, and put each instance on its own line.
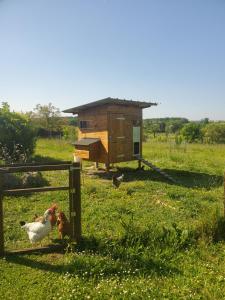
column 73, row 188
column 35, row 168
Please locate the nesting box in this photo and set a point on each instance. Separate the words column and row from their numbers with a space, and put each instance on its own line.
column 110, row 130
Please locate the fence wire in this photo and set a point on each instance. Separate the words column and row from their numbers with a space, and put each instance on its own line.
column 24, row 208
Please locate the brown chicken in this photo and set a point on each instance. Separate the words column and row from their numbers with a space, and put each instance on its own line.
column 64, row 226
column 52, row 216
column 36, row 218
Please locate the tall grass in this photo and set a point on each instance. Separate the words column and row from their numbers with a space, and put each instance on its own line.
column 147, row 239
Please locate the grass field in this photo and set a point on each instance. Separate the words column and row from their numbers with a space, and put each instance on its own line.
column 147, row 239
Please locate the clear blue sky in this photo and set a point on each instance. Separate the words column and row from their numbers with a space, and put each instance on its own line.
column 72, row 52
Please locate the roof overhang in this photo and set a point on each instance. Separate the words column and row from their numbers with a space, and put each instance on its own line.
column 139, row 104
column 86, row 142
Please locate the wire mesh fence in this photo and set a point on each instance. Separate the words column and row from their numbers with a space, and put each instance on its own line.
column 28, row 191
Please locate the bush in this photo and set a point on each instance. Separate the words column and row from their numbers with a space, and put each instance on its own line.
column 33, row 179
column 214, row 133
column 26, row 180
column 15, row 132
column 192, row 132
column 18, row 154
column 70, row 133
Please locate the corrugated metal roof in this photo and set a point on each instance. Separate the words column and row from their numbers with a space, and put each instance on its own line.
column 86, row 142
column 76, row 110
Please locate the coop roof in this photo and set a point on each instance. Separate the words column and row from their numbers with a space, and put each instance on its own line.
column 140, row 104
column 86, row 142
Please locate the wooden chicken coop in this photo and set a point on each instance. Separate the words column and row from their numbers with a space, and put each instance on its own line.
column 110, row 130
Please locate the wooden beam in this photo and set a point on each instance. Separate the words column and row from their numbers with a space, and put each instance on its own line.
column 224, row 195
column 139, row 164
column 1, row 217
column 45, row 249
column 75, row 202
column 60, row 162
column 35, row 168
column 18, row 192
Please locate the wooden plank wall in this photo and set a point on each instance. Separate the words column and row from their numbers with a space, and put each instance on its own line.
column 122, row 149
column 98, row 129
column 113, row 147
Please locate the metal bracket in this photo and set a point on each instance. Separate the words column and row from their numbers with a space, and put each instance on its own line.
column 74, row 168
column 73, row 214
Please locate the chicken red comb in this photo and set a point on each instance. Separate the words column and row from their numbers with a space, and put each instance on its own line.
column 53, row 207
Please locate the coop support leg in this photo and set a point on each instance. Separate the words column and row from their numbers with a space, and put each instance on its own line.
column 139, row 164
column 107, row 166
column 96, row 165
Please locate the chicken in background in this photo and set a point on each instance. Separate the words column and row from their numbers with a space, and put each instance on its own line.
column 64, row 226
column 116, row 180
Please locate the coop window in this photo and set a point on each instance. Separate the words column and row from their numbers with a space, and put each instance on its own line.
column 136, row 148
column 85, row 124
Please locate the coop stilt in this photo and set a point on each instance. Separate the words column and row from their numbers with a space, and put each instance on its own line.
column 107, row 166
column 139, row 164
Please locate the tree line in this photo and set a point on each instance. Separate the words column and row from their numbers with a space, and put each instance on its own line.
column 190, row 131
column 19, row 131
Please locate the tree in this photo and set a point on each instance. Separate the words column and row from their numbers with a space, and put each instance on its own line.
column 47, row 117
column 175, row 125
column 17, row 136
column 5, row 107
column 192, row 132
column 155, row 127
column 214, row 132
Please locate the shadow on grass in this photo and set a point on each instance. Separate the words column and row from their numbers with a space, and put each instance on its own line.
column 35, row 264
column 195, row 179
column 146, row 264
column 182, row 177
column 95, row 258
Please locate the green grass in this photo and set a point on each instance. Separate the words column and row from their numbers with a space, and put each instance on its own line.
column 147, row 239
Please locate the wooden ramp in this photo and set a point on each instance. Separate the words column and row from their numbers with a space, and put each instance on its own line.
column 164, row 174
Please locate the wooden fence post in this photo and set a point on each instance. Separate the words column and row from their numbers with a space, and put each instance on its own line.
column 224, row 196
column 1, row 217
column 75, row 201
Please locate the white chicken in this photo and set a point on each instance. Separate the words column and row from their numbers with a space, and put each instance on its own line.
column 38, row 230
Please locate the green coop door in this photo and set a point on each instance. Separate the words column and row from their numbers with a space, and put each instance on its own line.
column 136, row 140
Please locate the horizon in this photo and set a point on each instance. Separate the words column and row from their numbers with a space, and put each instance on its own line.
column 165, row 117
column 76, row 52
